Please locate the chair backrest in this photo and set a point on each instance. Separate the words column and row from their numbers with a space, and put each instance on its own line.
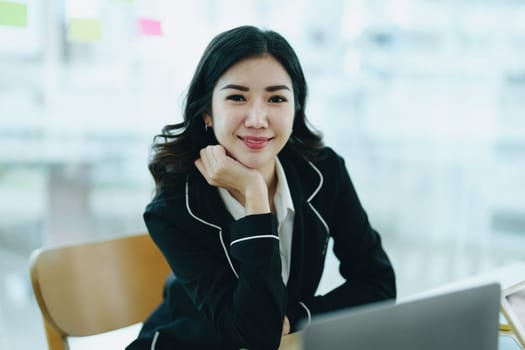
column 91, row 288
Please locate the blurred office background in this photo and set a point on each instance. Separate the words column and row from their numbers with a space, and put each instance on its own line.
column 425, row 99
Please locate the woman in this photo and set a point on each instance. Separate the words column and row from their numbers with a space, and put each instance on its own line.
column 246, row 199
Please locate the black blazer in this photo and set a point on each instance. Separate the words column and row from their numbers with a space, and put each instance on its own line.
column 228, row 292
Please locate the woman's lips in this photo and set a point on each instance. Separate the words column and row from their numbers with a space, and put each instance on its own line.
column 255, row 142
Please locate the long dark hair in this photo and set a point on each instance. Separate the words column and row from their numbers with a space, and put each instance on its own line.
column 177, row 147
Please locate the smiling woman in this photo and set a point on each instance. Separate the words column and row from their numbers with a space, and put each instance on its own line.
column 243, row 209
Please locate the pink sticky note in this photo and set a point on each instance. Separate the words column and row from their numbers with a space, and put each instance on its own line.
column 149, row 27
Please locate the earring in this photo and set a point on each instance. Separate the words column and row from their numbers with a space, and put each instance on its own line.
column 205, row 127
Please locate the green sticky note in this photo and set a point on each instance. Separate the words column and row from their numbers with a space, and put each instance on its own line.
column 13, row 14
column 84, row 29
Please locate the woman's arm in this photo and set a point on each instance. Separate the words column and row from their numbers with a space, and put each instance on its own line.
column 366, row 268
column 247, row 311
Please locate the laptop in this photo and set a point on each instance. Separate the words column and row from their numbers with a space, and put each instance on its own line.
column 465, row 319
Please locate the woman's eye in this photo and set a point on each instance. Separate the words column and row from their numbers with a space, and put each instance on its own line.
column 277, row 99
column 236, row 98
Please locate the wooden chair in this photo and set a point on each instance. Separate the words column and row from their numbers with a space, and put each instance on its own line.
column 96, row 287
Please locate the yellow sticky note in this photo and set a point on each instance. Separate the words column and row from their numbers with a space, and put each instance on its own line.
column 84, row 29
column 13, row 14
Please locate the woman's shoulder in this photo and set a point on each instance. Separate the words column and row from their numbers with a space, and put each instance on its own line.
column 327, row 154
column 326, row 160
column 322, row 155
column 169, row 197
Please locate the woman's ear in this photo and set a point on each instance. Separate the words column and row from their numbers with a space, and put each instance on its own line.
column 207, row 120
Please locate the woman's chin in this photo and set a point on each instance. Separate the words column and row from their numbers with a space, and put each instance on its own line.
column 256, row 164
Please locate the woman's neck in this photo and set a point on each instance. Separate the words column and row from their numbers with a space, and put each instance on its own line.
column 270, row 178
column 272, row 188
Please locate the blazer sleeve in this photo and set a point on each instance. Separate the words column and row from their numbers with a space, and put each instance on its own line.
column 248, row 310
column 366, row 268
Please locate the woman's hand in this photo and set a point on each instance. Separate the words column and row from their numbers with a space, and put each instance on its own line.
column 286, row 326
column 245, row 184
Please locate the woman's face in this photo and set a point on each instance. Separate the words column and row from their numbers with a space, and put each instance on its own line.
column 253, row 111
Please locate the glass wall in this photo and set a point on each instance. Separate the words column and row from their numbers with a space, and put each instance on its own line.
column 425, row 100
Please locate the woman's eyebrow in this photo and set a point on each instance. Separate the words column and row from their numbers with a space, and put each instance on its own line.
column 245, row 88
column 235, row 87
column 277, row 87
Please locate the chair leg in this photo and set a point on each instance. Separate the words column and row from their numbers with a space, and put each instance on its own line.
column 55, row 340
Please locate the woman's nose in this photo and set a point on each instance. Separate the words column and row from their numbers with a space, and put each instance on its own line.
column 257, row 116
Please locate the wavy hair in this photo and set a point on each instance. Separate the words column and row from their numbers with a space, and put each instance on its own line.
column 176, row 148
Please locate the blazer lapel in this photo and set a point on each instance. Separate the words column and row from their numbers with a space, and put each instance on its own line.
column 296, row 174
column 310, row 234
